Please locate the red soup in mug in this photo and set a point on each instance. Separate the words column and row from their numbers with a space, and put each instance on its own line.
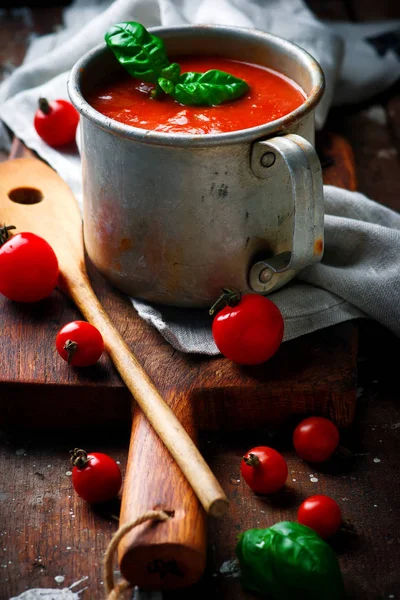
column 271, row 96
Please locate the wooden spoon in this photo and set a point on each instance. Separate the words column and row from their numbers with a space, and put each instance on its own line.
column 34, row 198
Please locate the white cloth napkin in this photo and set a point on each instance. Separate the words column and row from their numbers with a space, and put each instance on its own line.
column 360, row 272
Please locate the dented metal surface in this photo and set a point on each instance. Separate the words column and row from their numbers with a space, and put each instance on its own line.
column 172, row 218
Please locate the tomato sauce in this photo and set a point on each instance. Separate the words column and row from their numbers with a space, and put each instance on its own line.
column 271, row 96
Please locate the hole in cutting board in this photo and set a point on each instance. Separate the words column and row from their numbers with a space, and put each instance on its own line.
column 25, row 195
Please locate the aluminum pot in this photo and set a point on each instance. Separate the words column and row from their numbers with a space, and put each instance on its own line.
column 173, row 218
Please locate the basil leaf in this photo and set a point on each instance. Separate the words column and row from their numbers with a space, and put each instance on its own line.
column 166, row 85
column 210, row 88
column 143, row 55
column 172, row 72
column 287, row 561
column 170, row 76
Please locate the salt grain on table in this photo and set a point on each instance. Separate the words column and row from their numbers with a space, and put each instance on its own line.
column 386, row 153
column 230, row 568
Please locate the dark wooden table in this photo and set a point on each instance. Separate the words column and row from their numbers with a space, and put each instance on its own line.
column 46, row 531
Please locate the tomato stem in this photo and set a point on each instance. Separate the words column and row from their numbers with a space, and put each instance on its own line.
column 70, row 348
column 79, row 458
column 4, row 235
column 229, row 297
column 251, row 460
column 44, row 106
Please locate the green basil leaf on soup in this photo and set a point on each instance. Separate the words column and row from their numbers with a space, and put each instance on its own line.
column 172, row 72
column 142, row 54
column 210, row 88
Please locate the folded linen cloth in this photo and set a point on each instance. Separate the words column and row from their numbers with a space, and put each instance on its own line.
column 360, row 272
column 359, row 276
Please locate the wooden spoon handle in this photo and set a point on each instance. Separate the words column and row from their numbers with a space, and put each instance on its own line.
column 161, row 417
column 168, row 554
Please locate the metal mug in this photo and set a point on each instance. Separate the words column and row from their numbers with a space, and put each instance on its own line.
column 173, row 218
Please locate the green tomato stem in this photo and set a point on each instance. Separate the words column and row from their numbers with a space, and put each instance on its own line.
column 44, row 106
column 70, row 348
column 4, row 235
column 252, row 460
column 229, row 297
column 79, row 458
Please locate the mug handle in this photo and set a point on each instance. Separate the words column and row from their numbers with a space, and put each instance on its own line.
column 298, row 158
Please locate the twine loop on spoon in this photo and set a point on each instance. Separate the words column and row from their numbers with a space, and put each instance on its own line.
column 113, row 591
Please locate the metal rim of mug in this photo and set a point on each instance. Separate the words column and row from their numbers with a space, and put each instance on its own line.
column 202, row 140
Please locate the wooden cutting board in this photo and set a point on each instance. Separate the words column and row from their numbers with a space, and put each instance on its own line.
column 312, row 374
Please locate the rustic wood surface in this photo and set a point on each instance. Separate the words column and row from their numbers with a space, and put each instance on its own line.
column 205, row 393
column 46, row 531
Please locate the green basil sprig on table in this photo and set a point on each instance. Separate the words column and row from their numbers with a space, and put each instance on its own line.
column 287, row 561
column 144, row 56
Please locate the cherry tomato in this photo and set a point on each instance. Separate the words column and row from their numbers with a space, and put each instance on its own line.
column 56, row 122
column 28, row 268
column 322, row 514
column 315, row 439
column 264, row 470
column 96, row 477
column 250, row 332
column 80, row 344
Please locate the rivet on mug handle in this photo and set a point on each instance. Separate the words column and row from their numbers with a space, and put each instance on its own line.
column 298, row 157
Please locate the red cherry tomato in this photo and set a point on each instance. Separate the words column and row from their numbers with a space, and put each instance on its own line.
column 56, row 122
column 96, row 477
column 28, row 268
column 264, row 470
column 80, row 344
column 250, row 332
column 322, row 514
column 315, row 439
